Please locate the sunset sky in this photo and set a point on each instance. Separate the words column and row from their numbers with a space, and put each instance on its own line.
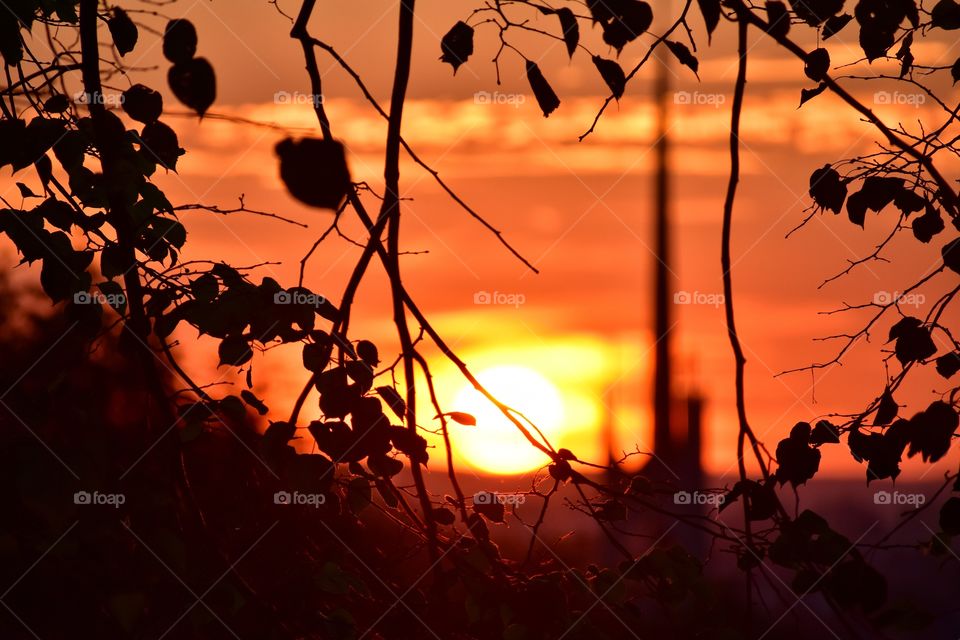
column 580, row 211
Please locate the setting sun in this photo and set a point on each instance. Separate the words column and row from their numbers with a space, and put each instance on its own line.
column 496, row 445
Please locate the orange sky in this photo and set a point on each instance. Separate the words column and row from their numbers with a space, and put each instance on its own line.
column 579, row 211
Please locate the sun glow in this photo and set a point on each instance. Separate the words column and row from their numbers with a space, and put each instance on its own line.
column 495, row 445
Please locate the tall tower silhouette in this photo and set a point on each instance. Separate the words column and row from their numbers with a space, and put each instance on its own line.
column 663, row 443
column 676, row 419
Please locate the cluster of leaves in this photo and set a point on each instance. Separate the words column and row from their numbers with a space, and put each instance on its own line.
column 621, row 22
column 90, row 204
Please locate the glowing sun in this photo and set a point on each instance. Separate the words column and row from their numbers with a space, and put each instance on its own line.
column 495, row 445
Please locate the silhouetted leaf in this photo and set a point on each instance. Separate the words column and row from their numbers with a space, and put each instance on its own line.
column 631, row 18
column 946, row 15
column 824, row 433
column 393, row 400
column 875, row 194
column 58, row 213
column 905, row 55
column 886, row 451
column 951, row 255
column 857, row 208
column 57, row 103
column 69, row 150
column 600, row 10
column 315, row 357
column 25, row 191
column 835, row 24
column 255, row 402
column 948, row 365
column 561, row 471
column 234, row 350
column 778, row 19
column 367, row 351
column 194, row 83
column 908, row 201
column 444, row 516
column 761, row 501
column 683, row 54
column 487, row 505
column 887, row 409
column 123, row 30
column 457, row 45
column 11, row 44
column 612, row 75
column 808, row 94
column 828, row 189
column 913, row 340
column 879, row 21
column 179, row 41
column 205, row 287
column 816, row 64
column 113, row 293
column 542, row 90
column 161, row 145
column 570, row 28
column 815, row 12
column 315, row 171
column 361, row 373
column 710, row 9
column 928, row 225
column 142, row 103
column 384, row 466
column 950, row 517
column 955, row 71
column 462, row 418
column 798, row 462
column 931, row 431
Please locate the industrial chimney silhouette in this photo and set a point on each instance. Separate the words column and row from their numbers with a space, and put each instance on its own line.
column 677, row 418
